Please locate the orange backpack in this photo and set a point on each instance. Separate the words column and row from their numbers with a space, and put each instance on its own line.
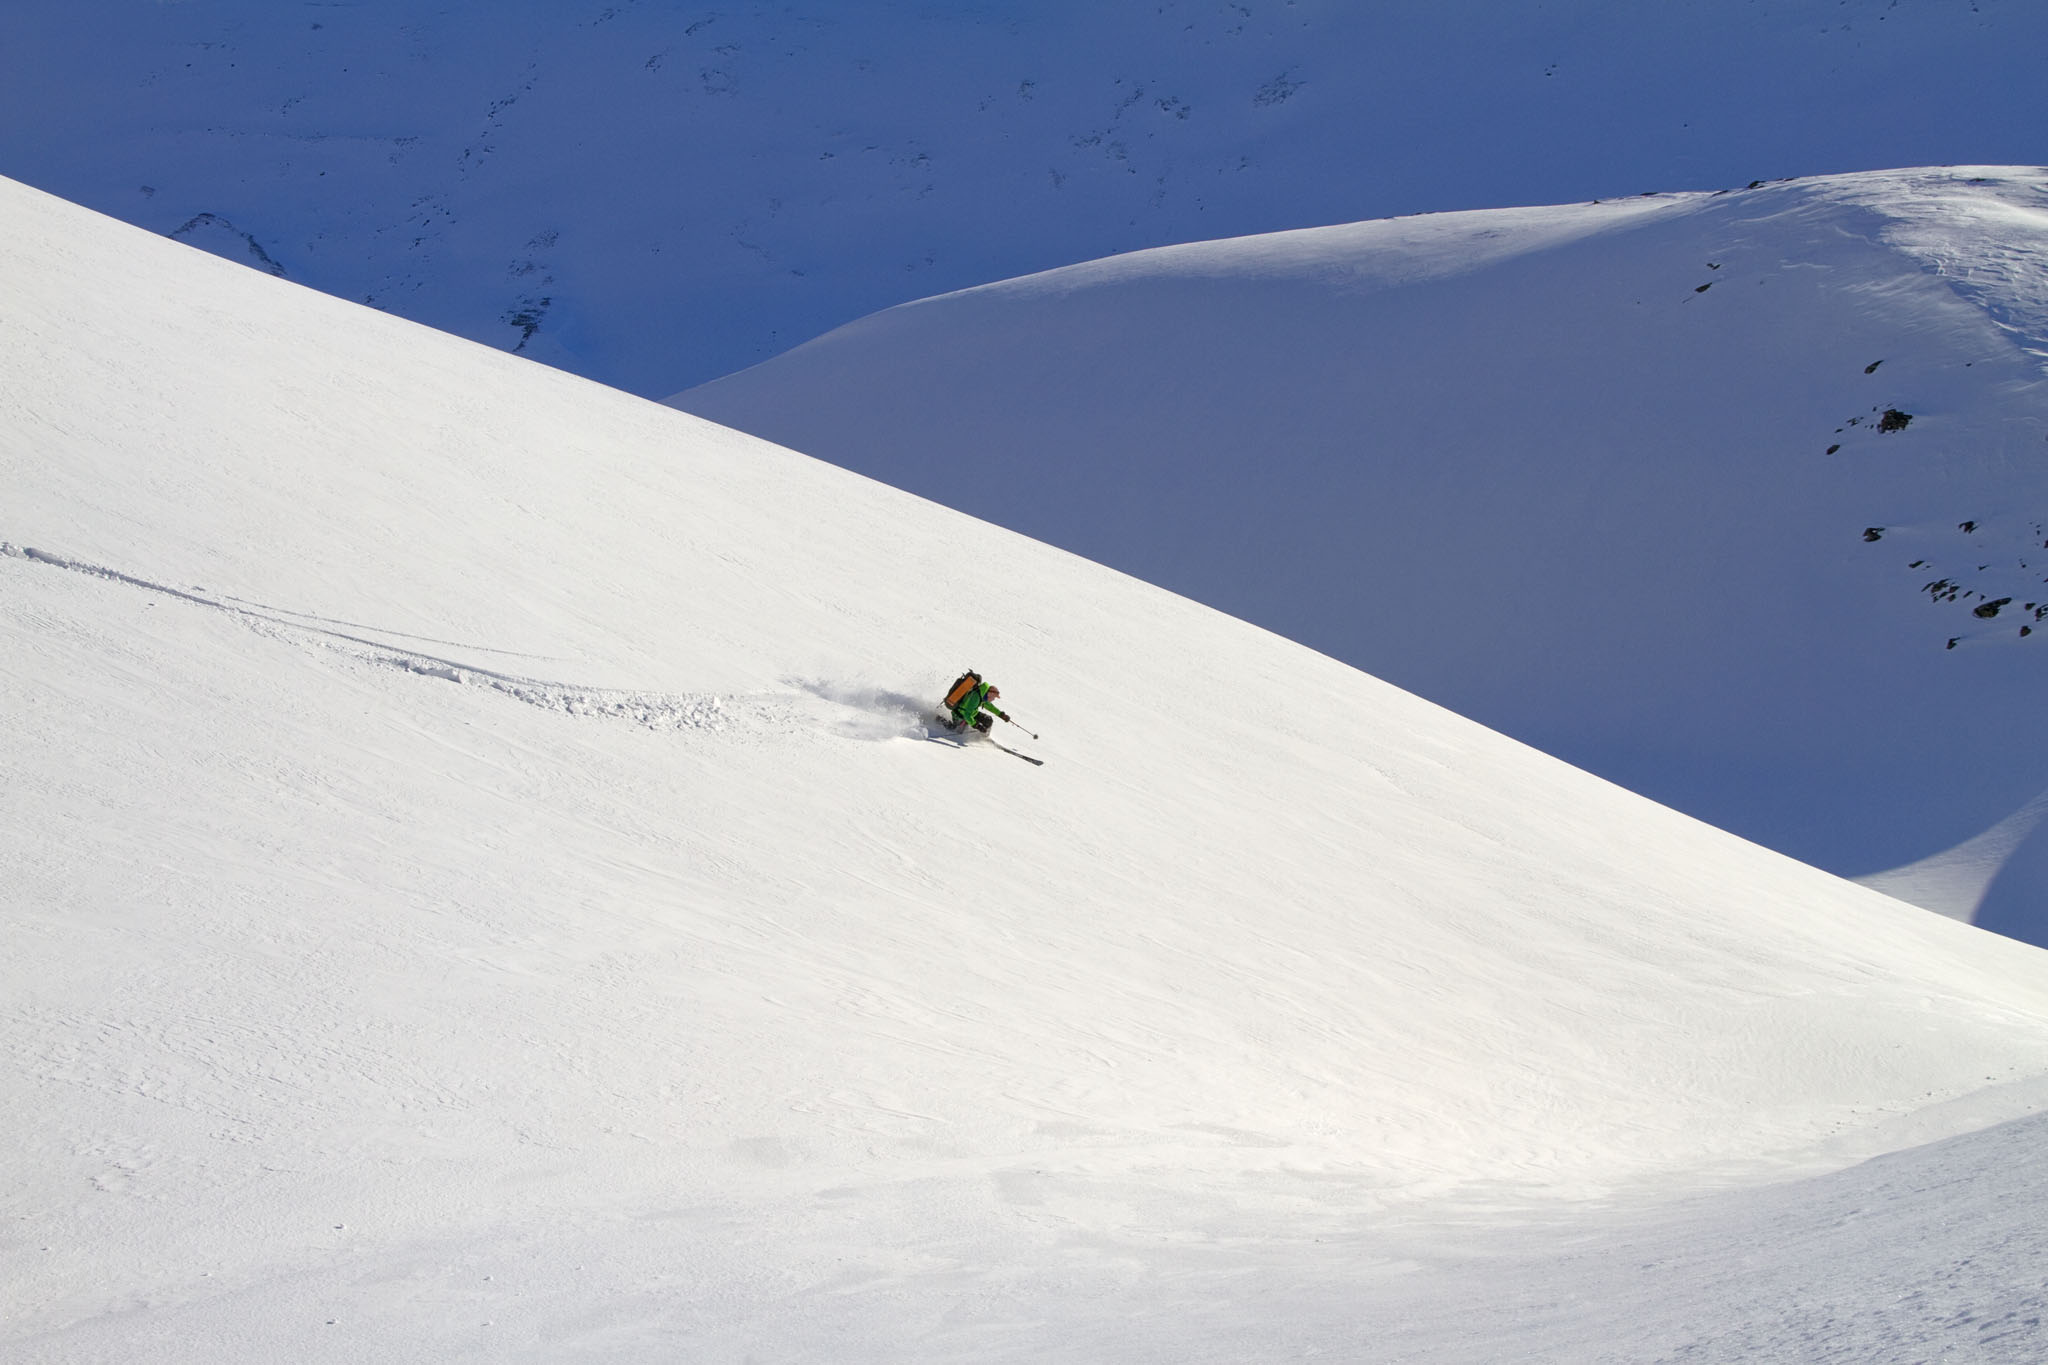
column 962, row 685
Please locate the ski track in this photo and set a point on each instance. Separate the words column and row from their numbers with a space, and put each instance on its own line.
column 859, row 712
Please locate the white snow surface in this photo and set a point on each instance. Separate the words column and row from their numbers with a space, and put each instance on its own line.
column 478, row 883
column 1612, row 477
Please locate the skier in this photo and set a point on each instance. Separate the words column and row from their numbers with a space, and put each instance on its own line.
column 970, row 702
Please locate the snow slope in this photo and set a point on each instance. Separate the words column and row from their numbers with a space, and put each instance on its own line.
column 478, row 884
column 657, row 192
column 1614, row 478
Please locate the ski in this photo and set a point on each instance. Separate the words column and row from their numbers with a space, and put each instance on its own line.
column 1034, row 762
column 960, row 741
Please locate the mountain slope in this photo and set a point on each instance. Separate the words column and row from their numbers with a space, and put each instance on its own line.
column 1615, row 478
column 656, row 193
column 478, row 883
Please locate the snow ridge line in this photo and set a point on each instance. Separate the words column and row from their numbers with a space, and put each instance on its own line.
column 660, row 711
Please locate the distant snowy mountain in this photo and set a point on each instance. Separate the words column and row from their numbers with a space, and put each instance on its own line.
column 479, row 882
column 1740, row 499
column 654, row 193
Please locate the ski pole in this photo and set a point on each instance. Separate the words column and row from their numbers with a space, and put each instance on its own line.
column 1005, row 717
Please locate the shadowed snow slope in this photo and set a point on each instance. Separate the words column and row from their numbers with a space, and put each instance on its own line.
column 1614, row 478
column 655, row 192
column 478, row 884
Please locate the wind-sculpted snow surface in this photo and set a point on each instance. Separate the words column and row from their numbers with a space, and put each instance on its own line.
column 476, row 885
column 1738, row 499
column 1984, row 235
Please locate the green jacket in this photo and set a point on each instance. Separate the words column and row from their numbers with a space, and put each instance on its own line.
column 970, row 704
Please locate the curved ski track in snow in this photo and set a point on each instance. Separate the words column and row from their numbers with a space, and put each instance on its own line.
column 875, row 713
